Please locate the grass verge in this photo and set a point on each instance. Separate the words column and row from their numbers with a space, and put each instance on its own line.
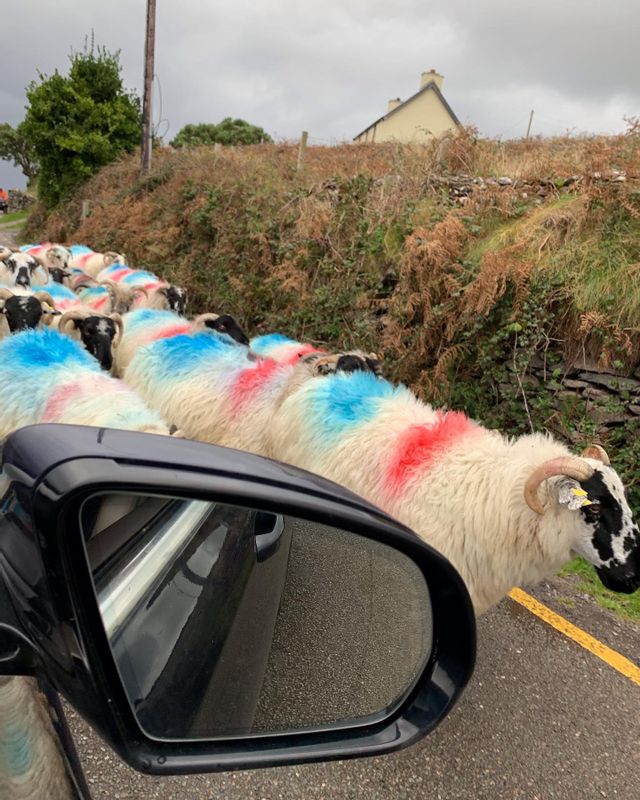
column 13, row 217
column 626, row 605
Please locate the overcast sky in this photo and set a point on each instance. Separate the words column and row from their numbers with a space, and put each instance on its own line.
column 329, row 67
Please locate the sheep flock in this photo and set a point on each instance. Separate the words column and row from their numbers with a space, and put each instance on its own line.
column 87, row 339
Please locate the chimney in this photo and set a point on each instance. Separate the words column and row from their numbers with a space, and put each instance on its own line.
column 393, row 104
column 432, row 75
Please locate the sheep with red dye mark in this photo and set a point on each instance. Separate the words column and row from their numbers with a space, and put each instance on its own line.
column 143, row 326
column 54, row 258
column 218, row 391
column 159, row 294
column 109, row 297
column 505, row 512
column 48, row 377
column 92, row 263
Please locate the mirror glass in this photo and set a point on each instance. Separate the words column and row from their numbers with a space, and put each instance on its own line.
column 229, row 621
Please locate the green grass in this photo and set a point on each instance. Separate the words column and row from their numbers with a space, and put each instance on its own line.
column 15, row 216
column 626, row 605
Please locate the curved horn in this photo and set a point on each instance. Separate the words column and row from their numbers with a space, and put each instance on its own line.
column 597, row 452
column 570, row 466
column 140, row 289
column 70, row 316
column 119, row 329
column 201, row 320
column 45, row 297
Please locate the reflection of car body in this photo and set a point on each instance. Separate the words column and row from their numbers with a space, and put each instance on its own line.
column 179, row 662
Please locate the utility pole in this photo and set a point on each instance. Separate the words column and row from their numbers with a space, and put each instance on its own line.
column 528, row 126
column 149, row 47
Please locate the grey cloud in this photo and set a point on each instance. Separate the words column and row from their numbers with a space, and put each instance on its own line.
column 330, row 68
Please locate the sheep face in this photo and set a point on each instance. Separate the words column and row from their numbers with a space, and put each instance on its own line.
column 21, row 312
column 58, row 258
column 355, row 361
column 18, row 269
column 60, row 275
column 606, row 534
column 225, row 323
column 177, row 299
column 97, row 334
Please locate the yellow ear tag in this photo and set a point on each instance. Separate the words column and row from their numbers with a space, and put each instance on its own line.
column 577, row 492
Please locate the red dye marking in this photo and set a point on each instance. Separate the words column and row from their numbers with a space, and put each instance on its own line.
column 420, row 446
column 60, row 398
column 303, row 350
column 172, row 330
column 250, row 381
column 117, row 274
column 98, row 302
column 82, row 259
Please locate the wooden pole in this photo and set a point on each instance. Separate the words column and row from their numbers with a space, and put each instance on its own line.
column 302, row 150
column 86, row 208
column 149, row 51
column 529, row 125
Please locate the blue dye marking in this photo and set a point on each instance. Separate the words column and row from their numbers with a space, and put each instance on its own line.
column 57, row 290
column 79, row 249
column 23, row 248
column 263, row 344
column 184, row 352
column 146, row 316
column 140, row 276
column 340, row 402
column 41, row 349
column 17, row 750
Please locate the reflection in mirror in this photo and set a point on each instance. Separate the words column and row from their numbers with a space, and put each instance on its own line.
column 226, row 621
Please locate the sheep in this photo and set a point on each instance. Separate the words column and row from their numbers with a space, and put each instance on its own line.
column 143, row 326
column 47, row 377
column 215, row 390
column 54, row 257
column 281, row 348
column 160, row 294
column 109, row 296
column 100, row 334
column 22, row 310
column 504, row 511
column 93, row 263
column 22, row 269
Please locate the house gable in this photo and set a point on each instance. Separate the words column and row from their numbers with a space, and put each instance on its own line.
column 422, row 116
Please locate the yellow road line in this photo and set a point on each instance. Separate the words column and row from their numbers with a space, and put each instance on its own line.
column 611, row 657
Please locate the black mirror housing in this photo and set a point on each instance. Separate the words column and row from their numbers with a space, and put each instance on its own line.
column 52, row 625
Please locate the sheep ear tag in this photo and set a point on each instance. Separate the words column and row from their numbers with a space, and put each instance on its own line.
column 572, row 495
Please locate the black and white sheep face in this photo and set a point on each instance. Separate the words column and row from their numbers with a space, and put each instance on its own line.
column 225, row 323
column 21, row 312
column 607, row 535
column 176, row 299
column 18, row 269
column 60, row 275
column 97, row 334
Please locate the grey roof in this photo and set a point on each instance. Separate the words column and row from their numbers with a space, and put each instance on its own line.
column 431, row 85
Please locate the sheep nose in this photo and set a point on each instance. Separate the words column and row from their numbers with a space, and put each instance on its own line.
column 23, row 280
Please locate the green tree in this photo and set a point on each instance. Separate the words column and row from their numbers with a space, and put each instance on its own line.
column 229, row 131
column 16, row 147
column 80, row 122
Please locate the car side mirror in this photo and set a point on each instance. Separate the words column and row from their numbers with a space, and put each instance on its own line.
column 208, row 609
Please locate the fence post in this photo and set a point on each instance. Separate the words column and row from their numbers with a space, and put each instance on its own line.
column 302, row 150
column 86, row 208
column 217, row 147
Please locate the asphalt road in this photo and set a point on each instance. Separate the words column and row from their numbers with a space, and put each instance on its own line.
column 542, row 719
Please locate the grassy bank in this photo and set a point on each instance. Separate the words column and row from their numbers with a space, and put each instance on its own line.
column 457, row 262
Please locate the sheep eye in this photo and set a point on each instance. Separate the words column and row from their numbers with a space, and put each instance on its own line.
column 593, row 511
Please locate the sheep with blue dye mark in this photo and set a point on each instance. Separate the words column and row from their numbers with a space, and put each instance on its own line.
column 505, row 512
column 144, row 326
column 109, row 296
column 159, row 294
column 93, row 263
column 218, row 391
column 47, row 377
